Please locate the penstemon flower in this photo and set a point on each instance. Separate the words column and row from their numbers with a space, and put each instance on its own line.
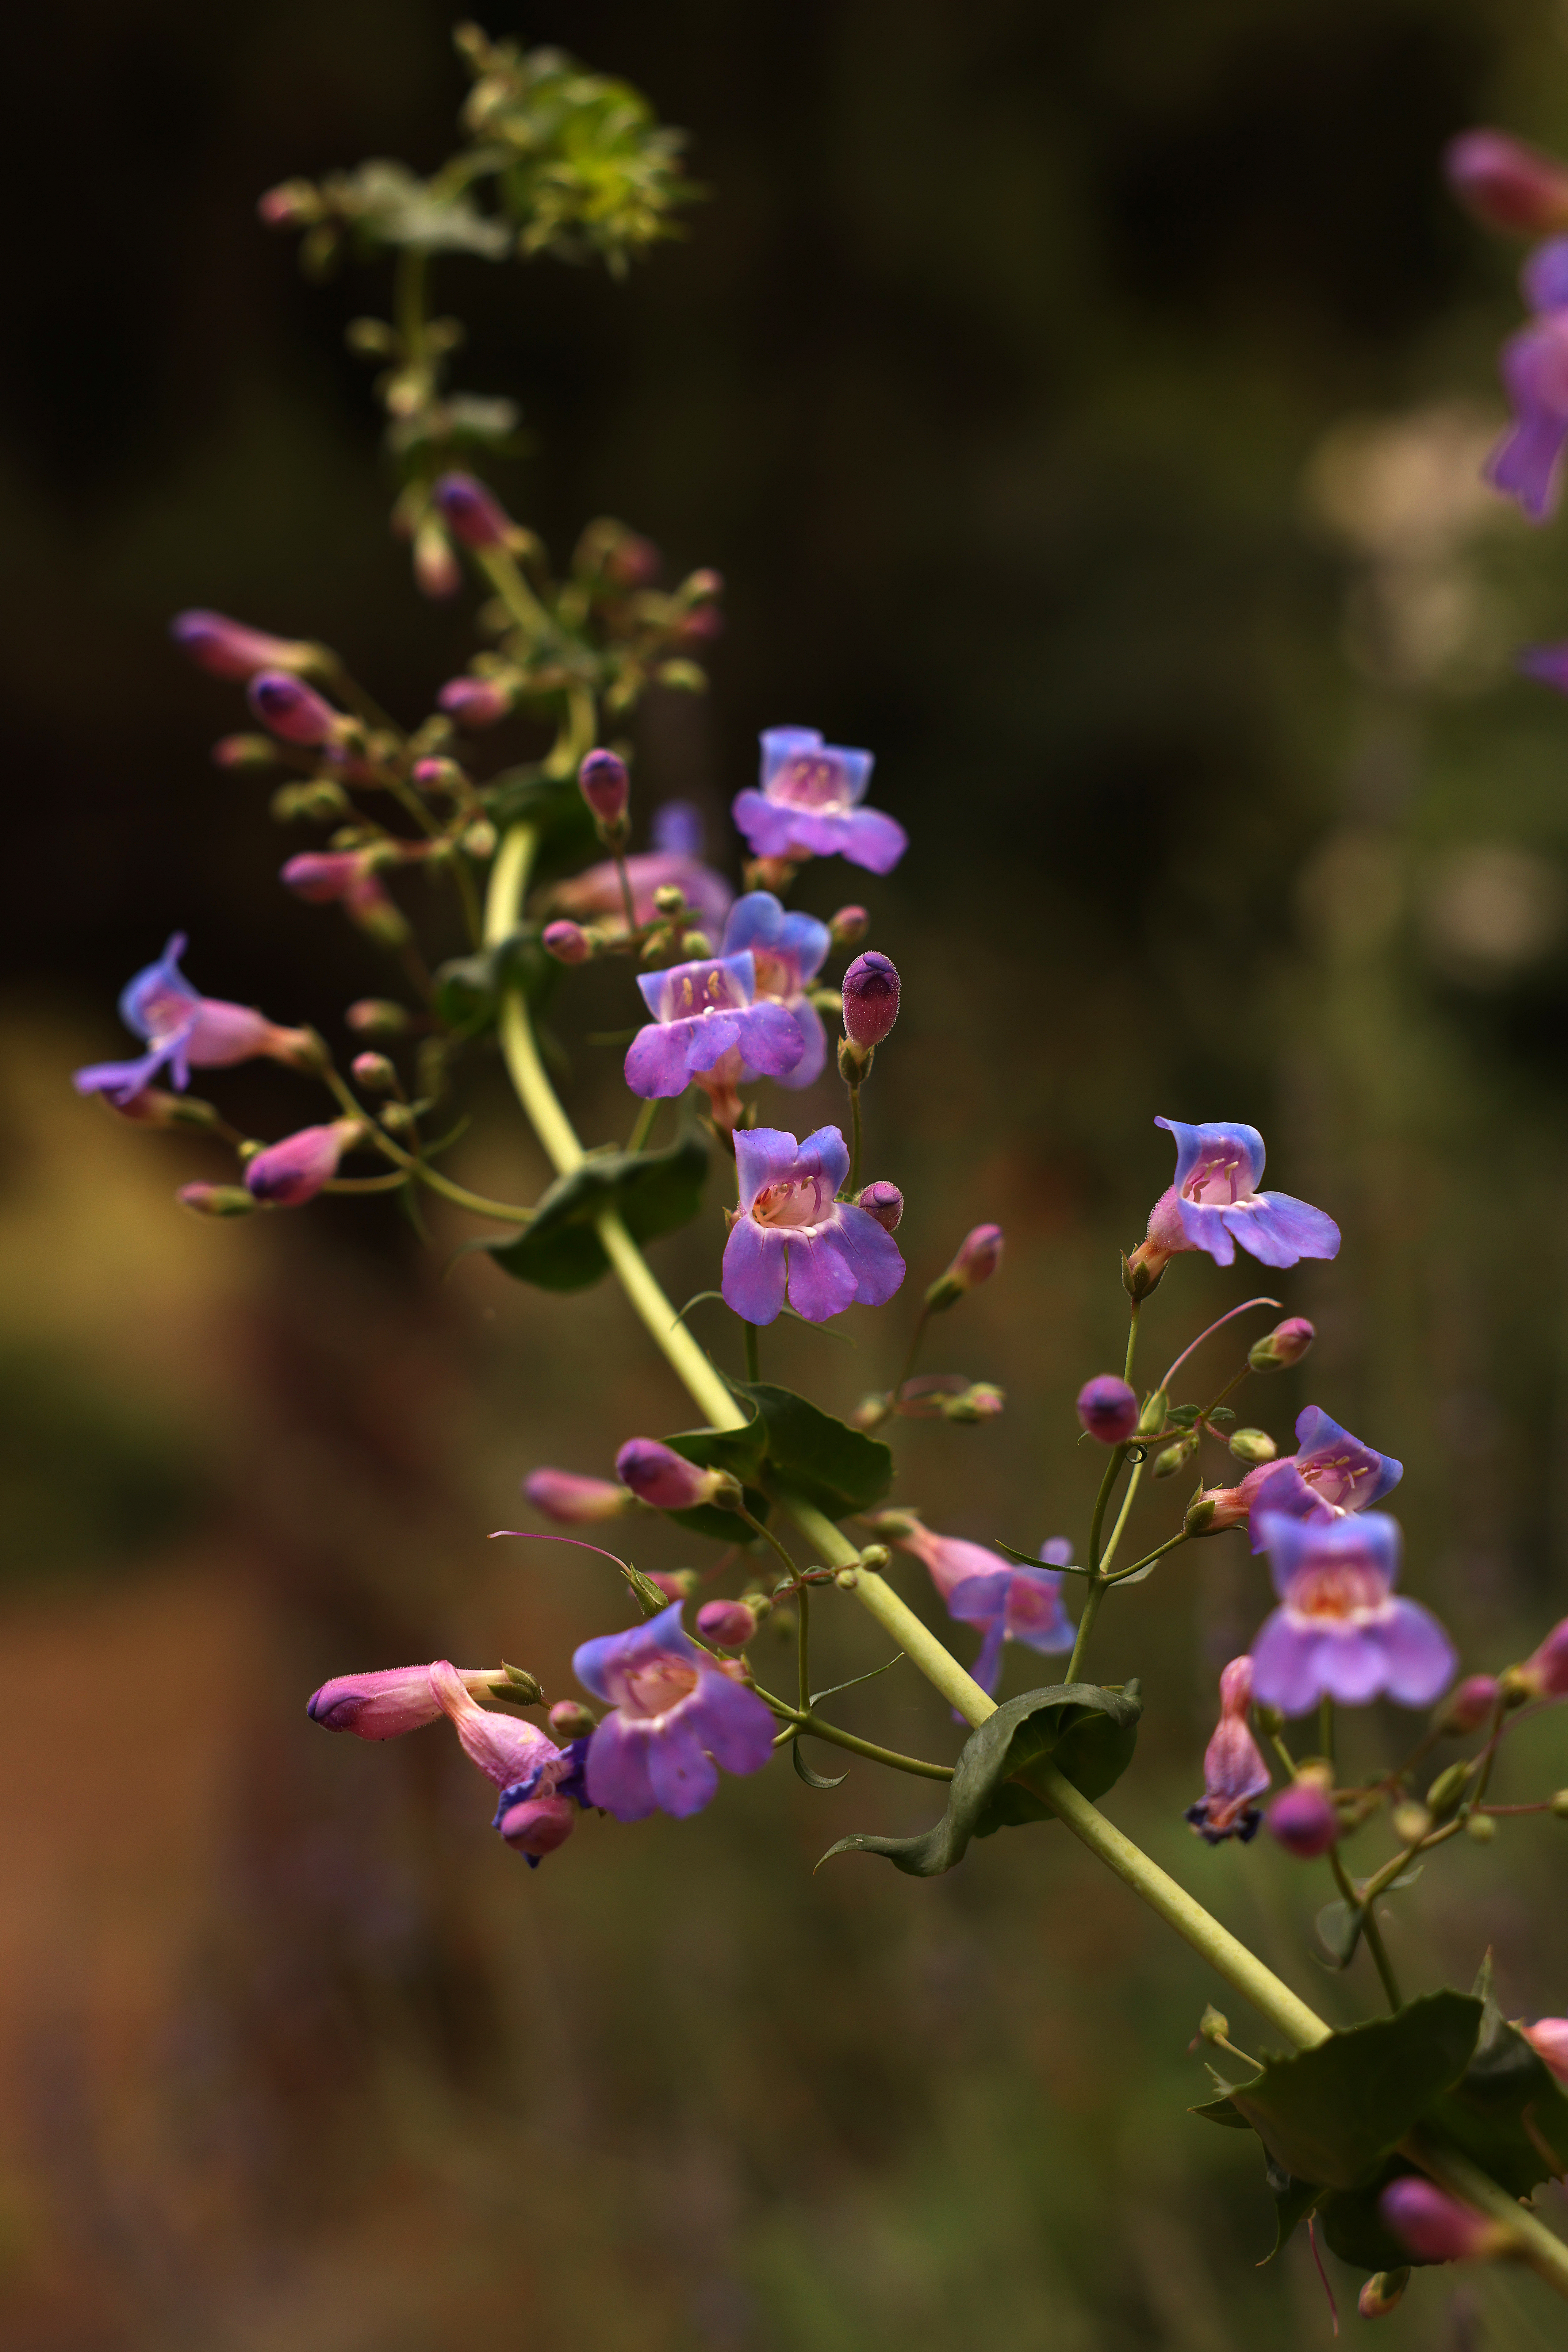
column 185, row 1031
column 1330, row 1473
column 808, row 804
column 787, row 951
column 676, row 1717
column 287, row 1174
column 1339, row 1632
column 1006, row 1603
column 791, row 1230
column 1234, row 1769
column 1214, row 1202
column 702, row 1011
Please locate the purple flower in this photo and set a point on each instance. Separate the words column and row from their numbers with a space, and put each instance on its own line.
column 676, row 1717
column 536, row 1779
column 700, row 1012
column 807, row 806
column 1543, row 280
column 347, row 878
column 287, row 1174
column 1107, row 1408
column 1436, row 2228
column 790, row 1227
column 1234, row 1769
column 1526, row 465
column 1339, row 1632
column 1004, row 1602
column 1330, row 1473
column 229, row 649
column 788, row 952
column 472, row 513
column 187, row 1031
column 1302, row 1818
column 293, row 710
column 572, row 1501
column 1214, row 1202
column 871, row 989
column 378, row 1706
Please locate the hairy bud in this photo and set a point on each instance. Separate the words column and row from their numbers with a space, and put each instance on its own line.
column 567, row 942
column 871, row 989
column 657, row 1475
column 728, row 1624
column 848, row 926
column 1286, row 1344
column 977, row 1259
column 1253, row 1446
column 884, row 1202
column 605, row 786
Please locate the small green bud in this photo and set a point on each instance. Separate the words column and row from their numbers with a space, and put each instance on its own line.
column 479, row 840
column 1411, row 1823
column 1381, row 2292
column 847, row 1579
column 397, row 1118
column 669, row 901
column 1270, row 1722
column 1481, row 1827
column 1560, row 1804
column 522, row 1686
column 876, row 1557
column 1253, row 1446
column 1152, row 1416
column 695, row 944
column 1173, row 1459
column 982, row 1400
column 1212, row 2025
column 1443, row 1797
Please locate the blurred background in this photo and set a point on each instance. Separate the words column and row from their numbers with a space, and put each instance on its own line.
column 1085, row 408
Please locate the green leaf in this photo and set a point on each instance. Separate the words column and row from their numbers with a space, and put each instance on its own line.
column 1334, row 2114
column 1506, row 2112
column 467, row 987
column 1293, row 2201
column 653, row 1191
column 1355, row 2231
column 739, row 1451
column 822, row 1460
column 1087, row 1732
column 1339, row 1926
column 813, row 1780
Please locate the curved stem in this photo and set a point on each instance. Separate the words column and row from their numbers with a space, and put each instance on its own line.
column 1244, row 1308
column 814, row 1727
column 1369, row 1928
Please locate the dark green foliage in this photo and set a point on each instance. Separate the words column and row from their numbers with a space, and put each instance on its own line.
column 653, row 1193
column 1087, row 1733
column 739, row 1451
column 822, row 1460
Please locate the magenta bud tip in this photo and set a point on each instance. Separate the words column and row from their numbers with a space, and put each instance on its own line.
column 884, row 1202
column 606, row 785
column 475, row 701
column 871, row 989
column 728, row 1624
column 1303, row 1820
column 293, row 710
column 473, row 514
column 1108, row 1408
column 657, row 1475
column 567, row 942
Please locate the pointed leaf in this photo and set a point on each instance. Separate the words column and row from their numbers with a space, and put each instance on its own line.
column 739, row 1451
column 653, row 1191
column 1507, row 2112
column 813, row 1780
column 1355, row 2230
column 1087, row 1732
column 822, row 1460
column 1293, row 2201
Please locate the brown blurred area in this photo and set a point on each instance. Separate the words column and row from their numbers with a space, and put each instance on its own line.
column 1084, row 410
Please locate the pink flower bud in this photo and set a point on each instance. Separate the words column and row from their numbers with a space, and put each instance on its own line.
column 1108, row 1408
column 295, row 712
column 1507, row 184
column 884, row 1202
column 475, row 701
column 1544, row 1673
column 1548, row 2037
column 659, row 1476
column 979, row 1255
column 538, row 1825
column 567, row 942
column 1286, row 1344
column 870, row 998
column 570, row 1719
column 1435, row 2226
column 633, row 561
column 728, row 1624
column 293, row 203
column 473, row 515
column 215, row 1200
column 1382, row 2294
column 376, row 1016
column 848, row 925
column 605, row 786
column 229, row 649
column 375, row 1073
column 1303, row 1820
column 377, row 1705
column 574, row 1502
column 287, row 1174
column 1470, row 1705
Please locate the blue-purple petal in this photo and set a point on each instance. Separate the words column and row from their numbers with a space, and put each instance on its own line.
column 656, row 1064
column 710, row 1036
column 1526, row 463
column 1280, row 1231
column 752, row 1279
column 1421, row 1659
column 769, row 1037
column 871, row 1253
column 120, row 1079
column 617, row 1776
column 682, row 1777
column 869, row 837
column 822, row 1282
column 764, row 1155
column 735, row 1726
column 764, row 825
column 813, row 1046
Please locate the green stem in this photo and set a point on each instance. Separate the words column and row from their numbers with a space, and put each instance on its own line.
column 1369, row 1928
column 378, row 1140
column 1132, row 1340
column 854, row 1184
column 768, row 1536
column 1097, row 1585
column 802, row 1649
column 910, row 1354
column 819, row 1729
column 1326, row 1727
column 1268, row 1993
column 643, row 1127
column 753, row 1366
column 500, row 569
column 1125, row 1575
column 628, row 904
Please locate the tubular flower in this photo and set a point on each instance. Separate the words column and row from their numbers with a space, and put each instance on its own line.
column 287, row 1174
column 1507, row 183
column 1234, row 1769
column 1214, row 1203
column 536, row 1779
column 665, row 1480
column 229, row 649
column 788, row 952
column 1526, row 465
column 808, row 804
column 1339, row 1632
column 1004, row 1602
column 386, row 1703
column 572, row 1501
column 676, row 1717
column 791, row 1229
column 346, row 878
column 1330, row 1473
column 701, row 1012
column 187, row 1031
column 293, row 711
column 1435, row 2227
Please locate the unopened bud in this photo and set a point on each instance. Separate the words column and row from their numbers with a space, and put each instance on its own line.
column 728, row 1624
column 293, row 203
column 1467, row 1708
column 377, row 1016
column 398, row 1118
column 568, row 1719
column 848, row 926
column 153, row 1107
column 977, row 1259
column 1214, row 2025
column 479, row 840
column 1253, row 1445
column 572, row 1501
column 1173, row 1458
column 233, row 752
column 522, row 1688
column 375, row 1073
column 1201, row 1514
column 294, row 712
column 1286, row 1344
column 1411, row 1823
column 1303, row 1819
column 1560, row 1804
column 437, row 570
column 1480, row 1828
column 1507, row 184
column 567, row 942
column 1444, row 1795
column 847, row 1578
column 1108, row 1408
column 676, row 1584
column 287, row 1174
column 1382, row 2291
column 1544, row 1674
column 603, row 781
column 1435, row 2226
column 471, row 512
column 871, row 991
column 232, row 649
column 319, row 801
column 874, row 1556
column 982, row 1400
column 1153, row 1417
column 658, row 1476
column 476, row 701
column 1270, row 1720
column 884, row 1202
column 215, row 1200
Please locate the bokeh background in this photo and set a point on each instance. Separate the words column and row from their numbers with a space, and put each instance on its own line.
column 1085, row 408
